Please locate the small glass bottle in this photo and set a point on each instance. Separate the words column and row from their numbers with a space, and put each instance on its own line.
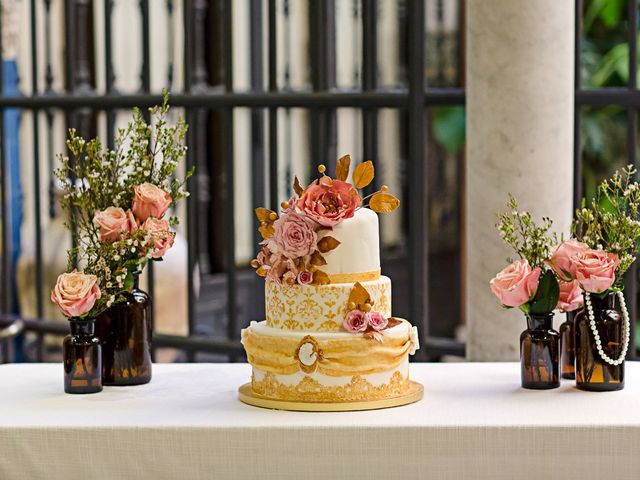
column 539, row 359
column 592, row 372
column 568, row 348
column 82, row 358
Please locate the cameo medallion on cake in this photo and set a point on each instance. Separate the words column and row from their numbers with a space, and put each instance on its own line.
column 308, row 354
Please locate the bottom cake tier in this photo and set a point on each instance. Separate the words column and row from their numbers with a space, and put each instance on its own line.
column 329, row 367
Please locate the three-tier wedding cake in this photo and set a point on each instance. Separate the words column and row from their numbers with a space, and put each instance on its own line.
column 329, row 336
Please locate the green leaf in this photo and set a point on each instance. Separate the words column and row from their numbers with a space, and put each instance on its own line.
column 448, row 125
column 128, row 281
column 546, row 297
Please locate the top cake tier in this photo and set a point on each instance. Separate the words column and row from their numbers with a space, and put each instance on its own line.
column 357, row 259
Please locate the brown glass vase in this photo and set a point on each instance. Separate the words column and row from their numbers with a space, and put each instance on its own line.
column 82, row 358
column 567, row 347
column 539, row 362
column 125, row 331
column 592, row 372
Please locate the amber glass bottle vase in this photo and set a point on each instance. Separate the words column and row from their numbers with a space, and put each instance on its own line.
column 125, row 330
column 82, row 358
column 567, row 347
column 602, row 340
column 539, row 362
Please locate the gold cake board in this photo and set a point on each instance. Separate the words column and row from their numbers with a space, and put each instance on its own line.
column 246, row 395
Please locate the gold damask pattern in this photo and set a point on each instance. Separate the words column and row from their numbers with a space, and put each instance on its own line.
column 310, row 390
column 337, row 357
column 319, row 308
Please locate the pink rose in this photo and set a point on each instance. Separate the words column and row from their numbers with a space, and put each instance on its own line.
column 150, row 201
column 355, row 321
column 133, row 224
column 329, row 201
column 294, row 236
column 114, row 224
column 562, row 259
column 75, row 293
column 161, row 235
column 516, row 284
column 570, row 296
column 596, row 269
column 377, row 321
column 305, row 277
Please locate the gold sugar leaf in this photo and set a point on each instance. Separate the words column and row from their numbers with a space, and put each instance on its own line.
column 358, row 295
column 383, row 203
column 320, row 278
column 363, row 174
column 267, row 230
column 342, row 168
column 317, row 259
column 296, row 186
column 263, row 214
column 326, row 244
column 262, row 271
column 392, row 322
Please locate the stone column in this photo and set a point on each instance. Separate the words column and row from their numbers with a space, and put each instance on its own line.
column 520, row 60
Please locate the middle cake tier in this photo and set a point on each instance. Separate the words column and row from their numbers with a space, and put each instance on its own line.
column 319, row 308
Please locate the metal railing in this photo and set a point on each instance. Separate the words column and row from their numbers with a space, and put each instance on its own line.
column 208, row 87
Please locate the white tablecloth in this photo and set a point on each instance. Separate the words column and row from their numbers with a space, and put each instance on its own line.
column 474, row 422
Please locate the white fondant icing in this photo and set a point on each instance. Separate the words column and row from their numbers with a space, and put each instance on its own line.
column 359, row 249
column 261, row 328
column 415, row 341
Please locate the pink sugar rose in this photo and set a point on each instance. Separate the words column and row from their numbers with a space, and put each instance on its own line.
column 329, row 201
column 75, row 293
column 562, row 259
column 305, row 277
column 292, row 205
column 596, row 269
column 355, row 321
column 161, row 234
column 516, row 284
column 294, row 236
column 377, row 321
column 570, row 296
column 114, row 224
column 282, row 270
column 150, row 201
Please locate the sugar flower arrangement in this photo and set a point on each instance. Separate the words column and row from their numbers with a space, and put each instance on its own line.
column 117, row 202
column 530, row 282
column 361, row 316
column 295, row 240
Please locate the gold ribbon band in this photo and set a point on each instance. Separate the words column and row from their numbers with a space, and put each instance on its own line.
column 354, row 277
column 335, row 357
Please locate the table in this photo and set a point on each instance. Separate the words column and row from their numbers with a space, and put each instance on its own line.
column 474, row 422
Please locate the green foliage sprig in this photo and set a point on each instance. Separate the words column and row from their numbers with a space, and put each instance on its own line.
column 529, row 240
column 612, row 221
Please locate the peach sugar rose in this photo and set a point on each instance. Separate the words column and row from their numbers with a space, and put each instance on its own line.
column 75, row 293
column 516, row 284
column 328, row 201
column 150, row 201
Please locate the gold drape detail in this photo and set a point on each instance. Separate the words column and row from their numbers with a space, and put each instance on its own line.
column 335, row 357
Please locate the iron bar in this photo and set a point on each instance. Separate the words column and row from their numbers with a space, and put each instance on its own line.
column 229, row 216
column 273, row 111
column 417, row 171
column 36, row 178
column 577, row 150
column 370, row 82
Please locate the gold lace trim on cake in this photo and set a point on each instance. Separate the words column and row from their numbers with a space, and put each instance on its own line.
column 354, row 355
column 310, row 390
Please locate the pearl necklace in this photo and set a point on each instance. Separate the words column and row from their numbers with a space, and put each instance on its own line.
column 596, row 336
